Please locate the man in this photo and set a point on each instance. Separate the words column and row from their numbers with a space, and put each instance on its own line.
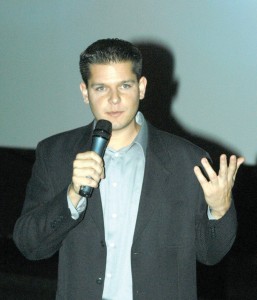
column 154, row 213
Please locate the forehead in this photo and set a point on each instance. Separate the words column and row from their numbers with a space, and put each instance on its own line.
column 111, row 71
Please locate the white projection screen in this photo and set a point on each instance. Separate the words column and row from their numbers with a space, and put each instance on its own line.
column 212, row 43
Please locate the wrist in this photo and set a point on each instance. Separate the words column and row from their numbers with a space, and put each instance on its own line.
column 73, row 196
column 218, row 213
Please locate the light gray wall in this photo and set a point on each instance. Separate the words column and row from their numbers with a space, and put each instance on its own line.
column 213, row 42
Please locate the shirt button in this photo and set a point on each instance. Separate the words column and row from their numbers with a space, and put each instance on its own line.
column 108, row 275
column 116, row 154
column 99, row 280
column 114, row 184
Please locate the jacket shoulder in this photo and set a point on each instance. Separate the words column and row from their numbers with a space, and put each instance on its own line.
column 68, row 140
column 168, row 141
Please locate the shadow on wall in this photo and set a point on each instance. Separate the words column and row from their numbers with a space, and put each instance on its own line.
column 162, row 88
column 221, row 281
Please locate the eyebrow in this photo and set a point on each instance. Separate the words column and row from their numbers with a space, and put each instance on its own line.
column 128, row 81
column 122, row 82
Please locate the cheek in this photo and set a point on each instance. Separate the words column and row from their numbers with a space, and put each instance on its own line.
column 95, row 100
column 94, row 106
column 97, row 106
column 131, row 97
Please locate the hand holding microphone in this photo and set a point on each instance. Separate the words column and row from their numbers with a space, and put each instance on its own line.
column 88, row 167
column 101, row 137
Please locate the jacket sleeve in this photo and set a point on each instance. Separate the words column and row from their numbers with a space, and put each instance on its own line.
column 214, row 238
column 45, row 219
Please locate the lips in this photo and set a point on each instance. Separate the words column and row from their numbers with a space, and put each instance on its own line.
column 115, row 113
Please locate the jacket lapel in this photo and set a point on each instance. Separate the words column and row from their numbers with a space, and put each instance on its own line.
column 96, row 211
column 155, row 178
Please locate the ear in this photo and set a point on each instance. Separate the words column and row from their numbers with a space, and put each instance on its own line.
column 84, row 92
column 142, row 87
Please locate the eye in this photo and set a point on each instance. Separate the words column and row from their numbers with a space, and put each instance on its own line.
column 126, row 85
column 100, row 88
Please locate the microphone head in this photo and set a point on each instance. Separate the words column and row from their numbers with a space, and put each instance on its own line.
column 103, row 129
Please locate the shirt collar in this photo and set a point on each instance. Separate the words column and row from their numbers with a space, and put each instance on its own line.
column 142, row 137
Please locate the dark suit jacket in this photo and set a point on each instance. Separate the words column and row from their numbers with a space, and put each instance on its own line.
column 172, row 228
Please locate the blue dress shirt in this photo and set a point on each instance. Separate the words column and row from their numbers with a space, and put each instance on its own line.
column 120, row 194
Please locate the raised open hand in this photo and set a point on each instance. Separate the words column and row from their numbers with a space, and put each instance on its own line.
column 217, row 190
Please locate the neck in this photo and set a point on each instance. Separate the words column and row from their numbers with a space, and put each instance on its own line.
column 123, row 138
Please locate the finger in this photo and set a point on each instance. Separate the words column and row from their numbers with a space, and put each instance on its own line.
column 232, row 167
column 103, row 173
column 85, row 176
column 209, row 170
column 85, row 159
column 240, row 161
column 89, row 155
column 93, row 172
column 84, row 165
column 201, row 178
column 223, row 171
column 83, row 181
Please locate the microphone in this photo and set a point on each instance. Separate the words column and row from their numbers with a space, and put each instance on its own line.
column 100, row 139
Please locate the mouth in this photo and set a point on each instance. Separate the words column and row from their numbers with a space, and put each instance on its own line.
column 115, row 114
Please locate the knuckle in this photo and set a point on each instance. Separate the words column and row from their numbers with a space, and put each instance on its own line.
column 75, row 172
column 92, row 182
column 74, row 179
column 78, row 156
column 93, row 173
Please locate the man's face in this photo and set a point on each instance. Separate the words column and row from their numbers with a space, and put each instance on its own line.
column 113, row 93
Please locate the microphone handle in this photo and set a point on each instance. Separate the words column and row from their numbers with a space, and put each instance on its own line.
column 98, row 145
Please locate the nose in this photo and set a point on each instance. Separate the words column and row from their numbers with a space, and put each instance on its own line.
column 114, row 97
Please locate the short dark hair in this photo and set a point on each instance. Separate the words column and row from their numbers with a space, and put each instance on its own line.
column 107, row 51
